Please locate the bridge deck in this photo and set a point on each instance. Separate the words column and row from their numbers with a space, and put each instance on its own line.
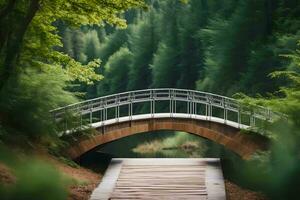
column 168, row 115
column 162, row 179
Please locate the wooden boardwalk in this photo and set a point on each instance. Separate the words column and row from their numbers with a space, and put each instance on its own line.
column 162, row 179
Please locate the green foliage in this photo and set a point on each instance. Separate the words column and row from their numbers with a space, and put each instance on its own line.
column 34, row 31
column 283, row 161
column 112, row 44
column 231, row 41
column 81, row 45
column 36, row 69
column 34, row 180
column 116, row 71
column 179, row 144
column 92, row 45
column 164, row 64
column 27, row 99
column 223, row 47
column 143, row 44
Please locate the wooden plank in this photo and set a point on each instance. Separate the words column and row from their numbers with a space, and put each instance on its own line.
column 155, row 179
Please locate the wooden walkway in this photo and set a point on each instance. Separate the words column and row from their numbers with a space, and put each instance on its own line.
column 162, row 179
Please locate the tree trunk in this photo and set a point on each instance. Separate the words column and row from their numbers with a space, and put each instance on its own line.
column 15, row 43
column 8, row 8
column 269, row 16
column 3, row 16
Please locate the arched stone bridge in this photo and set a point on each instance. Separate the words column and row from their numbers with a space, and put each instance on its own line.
column 207, row 115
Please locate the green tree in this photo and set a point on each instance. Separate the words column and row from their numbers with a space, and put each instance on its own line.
column 67, row 42
column 116, row 71
column 283, row 161
column 26, row 101
column 231, row 43
column 92, row 45
column 164, row 68
column 78, row 44
column 194, row 17
column 27, row 27
column 143, row 44
column 165, row 62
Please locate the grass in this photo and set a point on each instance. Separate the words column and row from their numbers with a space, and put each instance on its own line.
column 180, row 145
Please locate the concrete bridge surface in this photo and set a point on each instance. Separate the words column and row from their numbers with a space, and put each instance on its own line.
column 158, row 179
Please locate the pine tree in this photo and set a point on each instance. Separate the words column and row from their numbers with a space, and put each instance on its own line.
column 143, row 44
column 91, row 45
column 116, row 72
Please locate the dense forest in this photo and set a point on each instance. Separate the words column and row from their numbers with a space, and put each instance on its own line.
column 218, row 46
column 56, row 52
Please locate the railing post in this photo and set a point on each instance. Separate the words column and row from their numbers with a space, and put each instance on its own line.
column 209, row 107
column 130, row 107
column 188, row 105
column 151, row 98
column 206, row 112
column 104, row 114
column 170, row 103
column 225, row 110
column 193, row 104
column 80, row 120
column 101, row 115
column 66, row 120
column 153, row 103
column 117, row 109
column 91, row 117
column 118, row 112
column 239, row 116
column 91, row 114
column 175, row 103
column 195, row 108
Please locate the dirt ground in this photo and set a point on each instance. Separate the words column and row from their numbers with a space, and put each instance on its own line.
column 83, row 191
column 6, row 176
column 234, row 192
column 90, row 178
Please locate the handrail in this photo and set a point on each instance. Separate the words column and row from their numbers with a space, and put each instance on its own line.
column 212, row 105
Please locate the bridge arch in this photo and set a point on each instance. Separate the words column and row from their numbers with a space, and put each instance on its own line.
column 208, row 115
column 230, row 137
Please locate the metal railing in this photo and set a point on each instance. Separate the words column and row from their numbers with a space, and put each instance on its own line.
column 164, row 102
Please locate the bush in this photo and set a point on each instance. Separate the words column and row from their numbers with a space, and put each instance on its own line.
column 26, row 100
